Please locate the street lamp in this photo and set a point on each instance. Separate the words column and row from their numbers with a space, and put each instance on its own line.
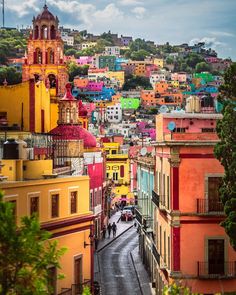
column 91, row 237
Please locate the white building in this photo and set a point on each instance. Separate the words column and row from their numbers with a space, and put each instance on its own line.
column 114, row 113
column 69, row 40
column 112, row 50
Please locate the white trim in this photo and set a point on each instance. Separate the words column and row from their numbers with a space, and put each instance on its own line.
column 10, row 196
column 29, row 196
column 54, row 190
column 73, row 187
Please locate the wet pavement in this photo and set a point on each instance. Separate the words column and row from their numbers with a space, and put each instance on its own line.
column 117, row 271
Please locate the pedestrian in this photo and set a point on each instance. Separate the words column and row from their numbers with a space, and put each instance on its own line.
column 126, row 216
column 104, row 231
column 96, row 242
column 114, row 227
column 109, row 230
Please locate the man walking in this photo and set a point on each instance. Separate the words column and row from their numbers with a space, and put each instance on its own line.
column 109, row 230
column 114, row 227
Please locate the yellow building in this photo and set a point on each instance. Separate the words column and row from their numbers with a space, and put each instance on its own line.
column 118, row 76
column 26, row 107
column 85, row 45
column 159, row 62
column 118, row 170
column 62, row 204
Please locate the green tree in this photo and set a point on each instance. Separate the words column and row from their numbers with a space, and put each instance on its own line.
column 70, row 51
column 193, row 59
column 225, row 151
column 202, row 67
column 25, row 254
column 11, row 75
column 132, row 82
column 75, row 70
column 139, row 55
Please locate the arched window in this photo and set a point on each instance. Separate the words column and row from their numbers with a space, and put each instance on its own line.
column 36, row 77
column 37, row 56
column 44, row 32
column 36, row 32
column 52, row 81
column 53, row 33
column 74, row 115
column 67, row 115
column 50, row 56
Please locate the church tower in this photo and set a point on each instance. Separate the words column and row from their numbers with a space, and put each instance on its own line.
column 44, row 60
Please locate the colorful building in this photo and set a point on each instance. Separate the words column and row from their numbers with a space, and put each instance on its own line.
column 129, row 103
column 26, row 107
column 188, row 209
column 107, row 61
column 117, row 170
column 44, row 61
column 62, row 205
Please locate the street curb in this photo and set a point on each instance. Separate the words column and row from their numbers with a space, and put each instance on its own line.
column 114, row 239
column 140, row 286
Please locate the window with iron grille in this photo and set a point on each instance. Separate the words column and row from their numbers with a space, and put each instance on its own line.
column 34, row 205
column 73, row 202
column 54, row 205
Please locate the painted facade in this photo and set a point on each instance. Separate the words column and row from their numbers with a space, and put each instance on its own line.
column 188, row 209
column 44, row 59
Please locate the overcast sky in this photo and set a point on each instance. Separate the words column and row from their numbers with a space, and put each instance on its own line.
column 173, row 21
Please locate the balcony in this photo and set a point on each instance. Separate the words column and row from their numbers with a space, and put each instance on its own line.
column 138, row 216
column 156, row 254
column 155, row 198
column 209, row 207
column 225, row 270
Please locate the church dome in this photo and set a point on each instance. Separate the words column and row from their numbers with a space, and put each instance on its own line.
column 75, row 132
column 45, row 15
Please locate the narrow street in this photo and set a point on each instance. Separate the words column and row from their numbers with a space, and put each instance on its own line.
column 118, row 274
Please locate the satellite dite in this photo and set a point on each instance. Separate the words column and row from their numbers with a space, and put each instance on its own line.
column 171, row 126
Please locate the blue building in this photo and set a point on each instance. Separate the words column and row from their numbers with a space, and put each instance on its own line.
column 105, row 95
column 145, row 212
column 118, row 63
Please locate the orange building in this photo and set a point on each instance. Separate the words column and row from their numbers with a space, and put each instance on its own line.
column 62, row 205
column 80, row 82
column 44, row 59
column 148, row 98
column 190, row 246
column 161, row 87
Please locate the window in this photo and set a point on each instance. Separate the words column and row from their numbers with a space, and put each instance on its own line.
column 34, row 205
column 216, row 258
column 54, row 205
column 179, row 130
column 122, row 171
column 214, row 203
column 168, row 192
column 115, row 176
column 73, row 202
column 13, row 202
column 208, row 130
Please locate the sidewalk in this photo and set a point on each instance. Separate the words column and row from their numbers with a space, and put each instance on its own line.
column 142, row 275
column 122, row 226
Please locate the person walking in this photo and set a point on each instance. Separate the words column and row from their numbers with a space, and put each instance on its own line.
column 114, row 227
column 104, row 231
column 109, row 230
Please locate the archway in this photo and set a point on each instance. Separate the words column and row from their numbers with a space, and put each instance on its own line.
column 36, row 32
column 50, row 56
column 44, row 32
column 52, row 81
column 53, row 33
column 37, row 56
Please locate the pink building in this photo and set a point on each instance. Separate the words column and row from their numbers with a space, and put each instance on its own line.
column 94, row 86
column 150, row 68
column 181, row 77
column 190, row 245
column 85, row 60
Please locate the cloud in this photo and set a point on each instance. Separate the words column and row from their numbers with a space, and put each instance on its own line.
column 222, row 34
column 24, row 8
column 139, row 12
column 130, row 2
column 209, row 42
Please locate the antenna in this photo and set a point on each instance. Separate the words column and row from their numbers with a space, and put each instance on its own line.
column 3, row 13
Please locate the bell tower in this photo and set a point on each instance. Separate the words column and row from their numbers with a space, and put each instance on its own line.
column 44, row 59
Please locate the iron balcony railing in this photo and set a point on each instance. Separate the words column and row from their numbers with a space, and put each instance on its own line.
column 156, row 254
column 138, row 216
column 206, row 206
column 208, row 270
column 155, row 198
column 76, row 289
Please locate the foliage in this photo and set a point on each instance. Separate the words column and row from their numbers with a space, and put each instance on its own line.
column 139, row 55
column 202, row 67
column 10, row 74
column 193, row 59
column 225, row 151
column 75, row 70
column 132, row 82
column 108, row 37
column 25, row 254
column 176, row 289
column 12, row 44
column 86, row 291
column 70, row 51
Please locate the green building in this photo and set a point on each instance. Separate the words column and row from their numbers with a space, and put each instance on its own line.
column 129, row 103
column 107, row 61
column 207, row 77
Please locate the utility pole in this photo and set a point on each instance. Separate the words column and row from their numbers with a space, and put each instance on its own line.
column 3, row 13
